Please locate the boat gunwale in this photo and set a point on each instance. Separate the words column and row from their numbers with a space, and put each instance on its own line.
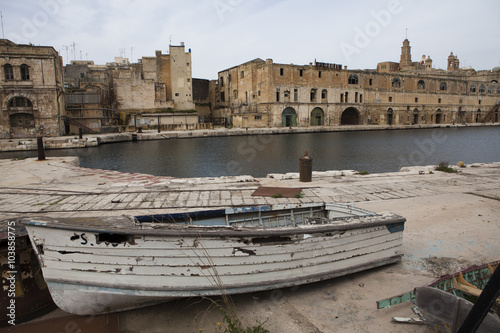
column 356, row 222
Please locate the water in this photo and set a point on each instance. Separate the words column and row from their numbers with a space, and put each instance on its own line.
column 372, row 151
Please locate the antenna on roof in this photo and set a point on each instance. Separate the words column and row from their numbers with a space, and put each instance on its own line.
column 1, row 16
column 406, row 33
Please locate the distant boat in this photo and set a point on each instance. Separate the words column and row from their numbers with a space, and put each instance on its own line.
column 108, row 264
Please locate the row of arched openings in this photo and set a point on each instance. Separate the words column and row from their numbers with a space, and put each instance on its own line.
column 350, row 116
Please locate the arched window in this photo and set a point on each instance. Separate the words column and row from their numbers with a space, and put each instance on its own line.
column 20, row 102
column 491, row 90
column 443, row 86
column 498, row 90
column 25, row 72
column 421, row 84
column 9, row 72
column 235, row 94
column 482, row 88
column 353, row 79
column 396, row 83
column 472, row 88
column 324, row 95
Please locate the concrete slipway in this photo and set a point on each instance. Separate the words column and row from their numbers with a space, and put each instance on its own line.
column 453, row 221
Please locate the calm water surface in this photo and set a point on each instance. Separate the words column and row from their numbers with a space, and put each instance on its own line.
column 373, row 151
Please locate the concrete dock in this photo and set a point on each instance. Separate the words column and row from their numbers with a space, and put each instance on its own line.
column 453, row 221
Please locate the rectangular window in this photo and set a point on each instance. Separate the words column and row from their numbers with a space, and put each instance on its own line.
column 370, row 82
column 187, row 63
column 221, row 81
column 416, row 99
column 341, row 98
column 222, row 96
column 319, row 74
column 258, row 117
column 9, row 72
column 281, row 71
column 479, row 101
column 295, row 95
column 258, row 93
column 189, row 80
column 177, row 94
column 390, row 99
column 356, row 97
column 242, row 74
column 301, row 72
column 439, row 100
column 277, row 95
column 361, row 98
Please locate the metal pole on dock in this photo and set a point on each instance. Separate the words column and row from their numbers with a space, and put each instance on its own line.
column 41, row 151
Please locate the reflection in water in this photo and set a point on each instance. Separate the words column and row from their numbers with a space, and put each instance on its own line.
column 373, row 151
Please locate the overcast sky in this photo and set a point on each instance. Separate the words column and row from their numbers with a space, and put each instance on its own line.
column 225, row 33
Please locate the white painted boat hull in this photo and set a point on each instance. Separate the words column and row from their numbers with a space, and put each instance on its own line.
column 88, row 275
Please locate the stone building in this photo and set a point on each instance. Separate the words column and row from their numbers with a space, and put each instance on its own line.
column 31, row 91
column 159, row 83
column 262, row 93
column 90, row 102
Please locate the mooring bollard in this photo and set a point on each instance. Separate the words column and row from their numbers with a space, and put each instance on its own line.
column 305, row 168
column 41, row 151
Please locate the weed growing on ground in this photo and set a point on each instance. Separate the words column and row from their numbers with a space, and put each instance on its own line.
column 277, row 195
column 232, row 324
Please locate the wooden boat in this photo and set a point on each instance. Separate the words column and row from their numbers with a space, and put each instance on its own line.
column 467, row 283
column 445, row 312
column 101, row 265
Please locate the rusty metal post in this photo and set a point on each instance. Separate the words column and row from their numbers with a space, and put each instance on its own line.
column 305, row 168
column 483, row 304
column 41, row 151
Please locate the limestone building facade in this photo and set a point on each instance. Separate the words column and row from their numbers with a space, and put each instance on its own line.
column 31, row 91
column 261, row 93
column 90, row 102
column 162, row 82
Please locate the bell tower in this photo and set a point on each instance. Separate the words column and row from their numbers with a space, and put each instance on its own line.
column 405, row 60
column 453, row 62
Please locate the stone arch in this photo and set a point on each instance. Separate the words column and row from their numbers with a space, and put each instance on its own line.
column 317, row 117
column 289, row 117
column 390, row 116
column 21, row 117
column 415, row 116
column 439, row 116
column 350, row 116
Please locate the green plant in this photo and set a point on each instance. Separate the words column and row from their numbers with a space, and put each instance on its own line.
column 299, row 195
column 232, row 324
column 364, row 173
column 277, row 195
column 444, row 167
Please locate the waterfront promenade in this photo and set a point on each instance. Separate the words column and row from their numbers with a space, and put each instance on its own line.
column 93, row 140
column 452, row 222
